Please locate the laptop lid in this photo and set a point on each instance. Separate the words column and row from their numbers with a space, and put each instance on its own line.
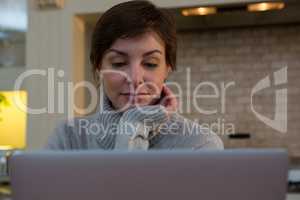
column 152, row 175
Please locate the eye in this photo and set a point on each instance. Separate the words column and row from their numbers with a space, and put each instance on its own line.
column 118, row 64
column 151, row 65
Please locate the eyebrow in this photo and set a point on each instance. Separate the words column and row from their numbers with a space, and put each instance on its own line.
column 125, row 54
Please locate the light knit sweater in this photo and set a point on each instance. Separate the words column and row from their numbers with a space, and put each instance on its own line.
column 145, row 128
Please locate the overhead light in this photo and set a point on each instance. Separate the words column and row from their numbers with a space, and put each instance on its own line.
column 264, row 6
column 199, row 11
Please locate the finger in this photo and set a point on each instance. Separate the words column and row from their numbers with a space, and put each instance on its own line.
column 170, row 100
column 167, row 90
column 166, row 96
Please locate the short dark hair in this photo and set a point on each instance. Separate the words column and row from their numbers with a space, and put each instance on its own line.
column 130, row 19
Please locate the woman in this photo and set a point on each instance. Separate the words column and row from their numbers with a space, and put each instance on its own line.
column 133, row 50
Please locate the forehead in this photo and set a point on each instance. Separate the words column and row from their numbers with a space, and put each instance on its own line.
column 142, row 43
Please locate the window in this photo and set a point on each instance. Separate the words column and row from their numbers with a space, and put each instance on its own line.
column 13, row 27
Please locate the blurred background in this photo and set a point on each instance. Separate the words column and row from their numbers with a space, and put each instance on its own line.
column 220, row 41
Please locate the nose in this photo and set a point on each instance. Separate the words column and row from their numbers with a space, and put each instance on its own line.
column 136, row 75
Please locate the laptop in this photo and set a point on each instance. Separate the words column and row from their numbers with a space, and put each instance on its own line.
column 152, row 175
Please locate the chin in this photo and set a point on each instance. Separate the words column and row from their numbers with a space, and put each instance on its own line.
column 124, row 104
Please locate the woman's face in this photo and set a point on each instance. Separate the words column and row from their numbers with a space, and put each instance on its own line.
column 134, row 69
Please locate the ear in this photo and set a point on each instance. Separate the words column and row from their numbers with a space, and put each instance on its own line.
column 99, row 78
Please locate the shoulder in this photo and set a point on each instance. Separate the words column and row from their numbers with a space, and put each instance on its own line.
column 185, row 133
column 70, row 134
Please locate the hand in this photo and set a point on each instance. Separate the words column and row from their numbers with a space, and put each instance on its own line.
column 138, row 122
column 168, row 100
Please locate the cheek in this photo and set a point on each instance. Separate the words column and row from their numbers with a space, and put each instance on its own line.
column 159, row 85
column 113, row 81
column 155, row 84
column 114, row 84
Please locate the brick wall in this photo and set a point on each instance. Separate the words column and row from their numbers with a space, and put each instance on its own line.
column 243, row 56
